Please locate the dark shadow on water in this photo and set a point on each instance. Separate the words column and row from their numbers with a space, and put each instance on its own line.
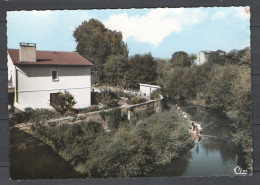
column 30, row 159
column 177, row 167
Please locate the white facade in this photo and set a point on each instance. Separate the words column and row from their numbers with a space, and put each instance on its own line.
column 33, row 84
column 147, row 89
column 202, row 58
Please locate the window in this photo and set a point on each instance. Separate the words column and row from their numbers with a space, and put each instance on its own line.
column 55, row 76
column 53, row 98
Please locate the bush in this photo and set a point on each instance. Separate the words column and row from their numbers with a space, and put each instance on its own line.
column 156, row 94
column 127, row 152
column 64, row 102
column 142, row 115
column 89, row 109
column 135, row 100
column 35, row 115
column 114, row 119
column 109, row 99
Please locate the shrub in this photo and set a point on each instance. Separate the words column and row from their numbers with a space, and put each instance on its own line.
column 89, row 109
column 127, row 152
column 156, row 94
column 135, row 100
column 35, row 115
column 109, row 99
column 64, row 102
column 70, row 113
column 114, row 119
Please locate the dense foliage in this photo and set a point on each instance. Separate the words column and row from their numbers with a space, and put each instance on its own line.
column 35, row 115
column 222, row 83
column 141, row 69
column 99, row 45
column 109, row 54
column 125, row 152
column 108, row 99
column 182, row 59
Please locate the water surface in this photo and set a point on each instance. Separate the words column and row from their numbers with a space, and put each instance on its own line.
column 214, row 155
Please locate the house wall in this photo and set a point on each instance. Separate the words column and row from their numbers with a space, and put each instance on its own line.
column 35, row 85
column 11, row 69
column 146, row 90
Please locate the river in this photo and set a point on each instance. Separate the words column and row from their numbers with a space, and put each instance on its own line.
column 214, row 155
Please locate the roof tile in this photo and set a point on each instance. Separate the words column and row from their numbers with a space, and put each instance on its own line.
column 51, row 58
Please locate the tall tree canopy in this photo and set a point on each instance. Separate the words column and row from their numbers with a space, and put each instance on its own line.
column 140, row 69
column 182, row 59
column 97, row 43
column 217, row 57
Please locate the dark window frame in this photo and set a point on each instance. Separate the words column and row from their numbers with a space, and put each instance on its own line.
column 53, row 74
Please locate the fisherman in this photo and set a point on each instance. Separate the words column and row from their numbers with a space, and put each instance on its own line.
column 185, row 116
column 199, row 128
column 192, row 126
column 197, row 132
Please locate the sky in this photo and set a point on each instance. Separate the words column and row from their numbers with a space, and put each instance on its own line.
column 160, row 31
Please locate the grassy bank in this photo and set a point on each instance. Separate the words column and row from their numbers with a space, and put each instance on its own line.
column 128, row 151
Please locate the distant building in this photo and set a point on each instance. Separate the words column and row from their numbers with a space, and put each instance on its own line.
column 36, row 77
column 202, row 58
column 147, row 89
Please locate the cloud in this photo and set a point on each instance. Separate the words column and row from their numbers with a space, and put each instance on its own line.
column 234, row 13
column 218, row 15
column 154, row 26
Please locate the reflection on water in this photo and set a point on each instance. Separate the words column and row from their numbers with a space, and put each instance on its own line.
column 31, row 159
column 214, row 155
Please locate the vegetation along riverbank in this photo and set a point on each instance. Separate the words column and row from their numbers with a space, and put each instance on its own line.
column 130, row 149
column 224, row 83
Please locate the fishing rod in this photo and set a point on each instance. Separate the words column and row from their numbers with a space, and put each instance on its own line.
column 215, row 137
column 204, row 117
column 208, row 124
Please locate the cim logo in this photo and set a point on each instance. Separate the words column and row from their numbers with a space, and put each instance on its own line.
column 240, row 171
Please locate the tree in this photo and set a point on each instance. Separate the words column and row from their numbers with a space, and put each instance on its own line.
column 141, row 69
column 232, row 57
column 244, row 56
column 217, row 57
column 115, row 68
column 182, row 59
column 97, row 43
column 64, row 102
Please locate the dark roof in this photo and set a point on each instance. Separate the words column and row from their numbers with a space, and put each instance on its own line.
column 51, row 58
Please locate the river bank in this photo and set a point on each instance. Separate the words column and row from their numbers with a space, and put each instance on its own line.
column 131, row 150
column 241, row 131
column 32, row 159
column 157, row 145
column 214, row 155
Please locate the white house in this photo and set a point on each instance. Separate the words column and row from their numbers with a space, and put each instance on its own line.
column 36, row 77
column 202, row 58
column 147, row 89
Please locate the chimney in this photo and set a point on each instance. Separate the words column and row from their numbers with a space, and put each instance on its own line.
column 27, row 52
